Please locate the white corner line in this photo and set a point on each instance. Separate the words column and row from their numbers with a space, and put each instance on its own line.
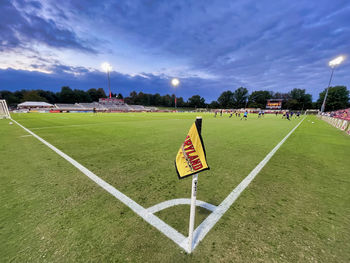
column 147, row 214
column 180, row 201
column 153, row 220
column 203, row 229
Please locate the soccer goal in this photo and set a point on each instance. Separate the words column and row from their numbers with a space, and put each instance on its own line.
column 4, row 111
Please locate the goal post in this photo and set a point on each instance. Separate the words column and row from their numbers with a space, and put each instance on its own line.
column 4, row 111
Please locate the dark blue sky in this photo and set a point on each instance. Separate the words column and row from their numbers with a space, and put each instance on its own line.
column 211, row 46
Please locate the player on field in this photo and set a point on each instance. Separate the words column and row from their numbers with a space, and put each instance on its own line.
column 245, row 116
column 287, row 115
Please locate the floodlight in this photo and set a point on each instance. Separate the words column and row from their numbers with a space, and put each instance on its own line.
column 337, row 61
column 333, row 63
column 175, row 82
column 106, row 67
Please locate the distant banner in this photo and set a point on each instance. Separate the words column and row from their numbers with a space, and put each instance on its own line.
column 344, row 125
column 191, row 157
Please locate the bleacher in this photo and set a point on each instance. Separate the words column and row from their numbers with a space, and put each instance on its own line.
column 104, row 106
column 65, row 106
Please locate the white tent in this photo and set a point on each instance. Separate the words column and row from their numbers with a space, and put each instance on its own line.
column 35, row 104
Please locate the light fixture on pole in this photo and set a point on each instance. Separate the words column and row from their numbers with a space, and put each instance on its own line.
column 107, row 68
column 175, row 82
column 333, row 63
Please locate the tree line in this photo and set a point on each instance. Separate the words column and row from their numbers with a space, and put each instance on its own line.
column 66, row 95
column 296, row 99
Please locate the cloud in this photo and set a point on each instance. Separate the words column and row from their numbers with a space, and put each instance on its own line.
column 211, row 45
column 83, row 78
column 238, row 41
column 21, row 26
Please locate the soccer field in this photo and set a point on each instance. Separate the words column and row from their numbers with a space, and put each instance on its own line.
column 296, row 209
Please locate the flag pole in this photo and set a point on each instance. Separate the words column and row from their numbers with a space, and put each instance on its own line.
column 193, row 211
column 193, row 196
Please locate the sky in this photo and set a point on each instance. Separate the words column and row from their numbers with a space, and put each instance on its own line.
column 210, row 45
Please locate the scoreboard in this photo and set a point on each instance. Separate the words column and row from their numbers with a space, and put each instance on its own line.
column 274, row 104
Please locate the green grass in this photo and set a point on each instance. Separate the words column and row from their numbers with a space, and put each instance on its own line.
column 177, row 108
column 296, row 209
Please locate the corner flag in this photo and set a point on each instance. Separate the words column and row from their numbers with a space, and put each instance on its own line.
column 191, row 157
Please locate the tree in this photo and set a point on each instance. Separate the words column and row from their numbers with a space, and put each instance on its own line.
column 166, row 101
column 338, row 98
column 258, row 99
column 299, row 100
column 50, row 96
column 101, row 93
column 120, row 96
column 66, row 95
column 142, row 99
column 132, row 98
column 94, row 96
column 156, row 99
column 196, row 101
column 214, row 104
column 32, row 95
column 11, row 98
column 180, row 102
column 240, row 97
column 225, row 100
column 81, row 96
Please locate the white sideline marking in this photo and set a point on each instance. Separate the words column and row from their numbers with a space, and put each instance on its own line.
column 181, row 201
column 147, row 214
column 214, row 217
column 167, row 230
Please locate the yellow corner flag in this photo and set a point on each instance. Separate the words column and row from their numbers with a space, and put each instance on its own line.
column 191, row 157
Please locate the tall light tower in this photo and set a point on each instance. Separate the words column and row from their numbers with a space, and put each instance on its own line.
column 333, row 63
column 175, row 82
column 107, row 68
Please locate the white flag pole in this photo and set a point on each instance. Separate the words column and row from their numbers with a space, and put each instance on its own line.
column 193, row 196
column 193, row 211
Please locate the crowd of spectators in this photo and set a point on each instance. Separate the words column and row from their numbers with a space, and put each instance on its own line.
column 340, row 114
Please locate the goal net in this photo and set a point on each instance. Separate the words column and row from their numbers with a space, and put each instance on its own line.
column 4, row 111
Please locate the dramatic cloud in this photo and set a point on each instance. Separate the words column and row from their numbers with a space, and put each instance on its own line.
column 211, row 45
column 82, row 78
column 21, row 27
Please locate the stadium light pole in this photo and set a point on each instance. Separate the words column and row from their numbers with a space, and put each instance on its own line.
column 175, row 82
column 107, row 68
column 333, row 63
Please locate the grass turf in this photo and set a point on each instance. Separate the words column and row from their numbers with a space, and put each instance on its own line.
column 295, row 210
